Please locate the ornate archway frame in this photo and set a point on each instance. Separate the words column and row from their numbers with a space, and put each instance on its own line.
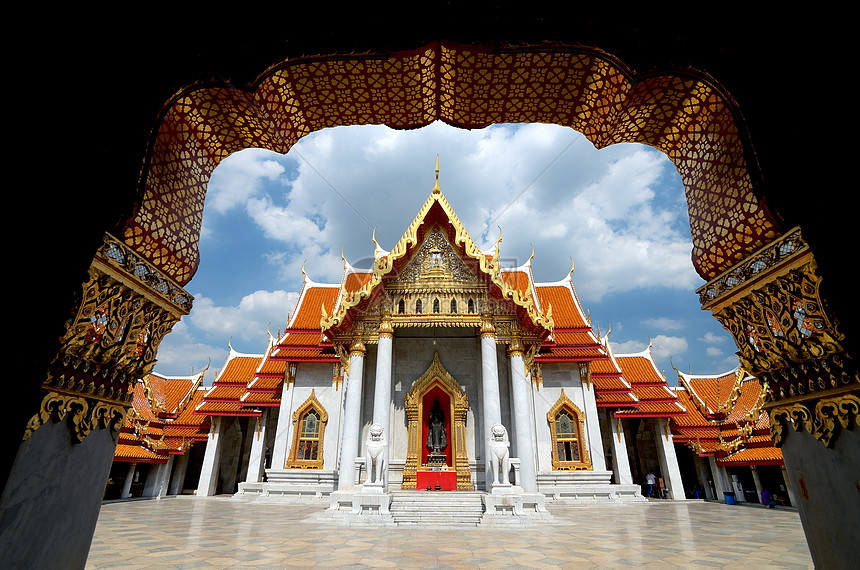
column 437, row 376
column 584, row 464
column 310, row 404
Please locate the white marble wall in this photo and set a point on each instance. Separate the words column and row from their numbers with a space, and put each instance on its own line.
column 52, row 497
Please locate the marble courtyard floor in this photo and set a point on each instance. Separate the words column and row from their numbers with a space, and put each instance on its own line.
column 219, row 532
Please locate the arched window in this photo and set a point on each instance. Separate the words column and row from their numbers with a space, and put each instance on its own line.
column 453, row 306
column 566, row 426
column 471, row 308
column 436, row 307
column 309, row 421
column 418, row 307
column 401, row 307
column 566, row 438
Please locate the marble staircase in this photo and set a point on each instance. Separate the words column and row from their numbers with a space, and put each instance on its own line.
column 445, row 508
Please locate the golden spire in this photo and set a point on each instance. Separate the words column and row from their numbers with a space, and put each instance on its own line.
column 436, row 189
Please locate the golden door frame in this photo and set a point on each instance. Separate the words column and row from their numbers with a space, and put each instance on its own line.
column 436, row 375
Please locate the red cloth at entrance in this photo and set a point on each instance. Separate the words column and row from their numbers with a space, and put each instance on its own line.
column 447, row 480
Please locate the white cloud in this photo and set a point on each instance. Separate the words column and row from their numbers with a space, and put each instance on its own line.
column 180, row 354
column 663, row 346
column 239, row 177
column 569, row 200
column 712, row 338
column 628, row 347
column 247, row 323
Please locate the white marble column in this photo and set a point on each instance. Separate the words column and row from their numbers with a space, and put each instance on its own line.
column 349, row 441
column 721, row 481
column 178, row 478
column 668, row 460
column 757, row 482
column 285, row 422
column 704, row 476
column 382, row 388
column 211, row 460
column 525, row 437
column 491, row 401
column 157, row 480
column 257, row 459
column 126, row 486
column 592, row 424
column 621, row 463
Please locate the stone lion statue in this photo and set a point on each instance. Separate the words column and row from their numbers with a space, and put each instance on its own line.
column 374, row 458
column 500, row 461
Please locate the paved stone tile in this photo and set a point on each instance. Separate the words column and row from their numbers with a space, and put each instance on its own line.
column 191, row 532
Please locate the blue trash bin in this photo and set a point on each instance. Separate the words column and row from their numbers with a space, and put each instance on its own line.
column 730, row 498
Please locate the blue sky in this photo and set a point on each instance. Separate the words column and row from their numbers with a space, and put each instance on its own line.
column 618, row 212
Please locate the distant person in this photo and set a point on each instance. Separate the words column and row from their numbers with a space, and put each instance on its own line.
column 651, row 481
column 767, row 499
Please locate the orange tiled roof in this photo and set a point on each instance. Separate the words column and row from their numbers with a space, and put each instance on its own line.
column 224, row 397
column 125, row 452
column 655, row 397
column 572, row 338
column 726, row 419
column 152, row 430
column 517, row 279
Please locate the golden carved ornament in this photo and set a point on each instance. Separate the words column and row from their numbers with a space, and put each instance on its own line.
column 772, row 306
column 386, row 330
column 125, row 309
column 516, row 348
column 823, row 425
column 584, row 463
column 85, row 415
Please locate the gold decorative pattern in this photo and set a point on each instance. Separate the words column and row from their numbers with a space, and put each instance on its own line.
column 436, row 375
column 772, row 306
column 126, row 307
column 823, row 425
column 85, row 415
column 558, row 464
column 684, row 114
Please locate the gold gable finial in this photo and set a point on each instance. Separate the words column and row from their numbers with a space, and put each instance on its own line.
column 532, row 256
column 436, row 189
column 303, row 268
column 571, row 267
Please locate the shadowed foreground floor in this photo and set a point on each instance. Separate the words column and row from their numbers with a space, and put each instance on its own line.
column 190, row 532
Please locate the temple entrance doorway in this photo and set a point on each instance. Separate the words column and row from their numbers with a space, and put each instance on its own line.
column 436, row 407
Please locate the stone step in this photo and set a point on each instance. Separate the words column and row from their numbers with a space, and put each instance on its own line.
column 446, row 508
